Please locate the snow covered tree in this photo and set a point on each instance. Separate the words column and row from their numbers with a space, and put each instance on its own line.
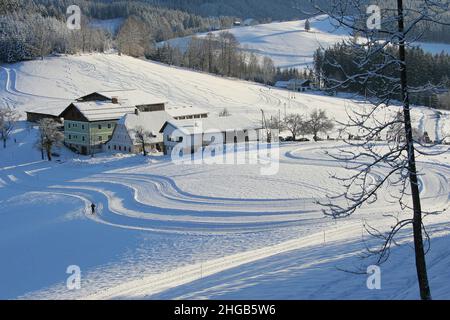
column 7, row 6
column 49, row 137
column 383, row 73
column 8, row 119
column 318, row 122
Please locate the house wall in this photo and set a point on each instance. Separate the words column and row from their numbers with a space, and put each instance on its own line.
column 87, row 137
column 228, row 137
column 152, row 107
column 120, row 141
column 193, row 116
column 101, row 131
column 170, row 140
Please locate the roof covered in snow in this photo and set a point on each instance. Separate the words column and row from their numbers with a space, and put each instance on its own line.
column 102, row 111
column 281, row 84
column 133, row 97
column 217, row 124
column 151, row 122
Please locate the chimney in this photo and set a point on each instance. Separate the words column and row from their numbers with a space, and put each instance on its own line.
column 115, row 100
column 136, row 111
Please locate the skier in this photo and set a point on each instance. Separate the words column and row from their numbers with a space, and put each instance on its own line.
column 93, row 208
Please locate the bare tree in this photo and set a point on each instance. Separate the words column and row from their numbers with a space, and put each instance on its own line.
column 49, row 136
column 8, row 119
column 381, row 64
column 318, row 122
column 268, row 70
column 296, row 124
column 276, row 122
column 133, row 38
column 41, row 45
column 142, row 136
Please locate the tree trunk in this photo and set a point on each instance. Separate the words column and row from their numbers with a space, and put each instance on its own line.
column 143, row 149
column 421, row 266
column 49, row 154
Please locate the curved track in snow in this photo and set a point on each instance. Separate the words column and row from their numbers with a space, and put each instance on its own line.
column 147, row 201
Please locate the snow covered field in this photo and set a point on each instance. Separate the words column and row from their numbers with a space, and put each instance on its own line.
column 50, row 85
column 289, row 45
column 192, row 231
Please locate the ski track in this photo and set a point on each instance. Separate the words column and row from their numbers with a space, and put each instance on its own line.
column 124, row 203
column 123, row 196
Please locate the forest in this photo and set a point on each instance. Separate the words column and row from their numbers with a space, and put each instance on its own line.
column 35, row 28
column 430, row 72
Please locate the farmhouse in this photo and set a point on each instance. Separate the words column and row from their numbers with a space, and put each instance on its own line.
column 198, row 133
column 90, row 121
column 124, row 139
column 88, row 125
column 299, row 85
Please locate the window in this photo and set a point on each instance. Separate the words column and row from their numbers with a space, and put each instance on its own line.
column 109, row 137
column 100, row 138
column 109, row 125
column 109, row 147
column 129, row 149
column 99, row 127
column 82, row 126
column 68, row 125
column 70, row 137
column 82, row 138
column 120, row 148
column 115, row 147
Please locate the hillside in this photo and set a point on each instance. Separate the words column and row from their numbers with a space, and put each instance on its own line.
column 50, row 85
column 289, row 45
column 165, row 230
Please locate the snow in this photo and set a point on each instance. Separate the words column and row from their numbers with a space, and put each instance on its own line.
column 215, row 124
column 151, row 122
column 185, row 111
column 290, row 45
column 132, row 97
column 167, row 230
column 51, row 85
column 99, row 110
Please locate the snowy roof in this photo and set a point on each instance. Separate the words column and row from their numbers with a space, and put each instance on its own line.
column 152, row 122
column 282, row 84
column 218, row 124
column 184, row 111
column 100, row 111
column 133, row 97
